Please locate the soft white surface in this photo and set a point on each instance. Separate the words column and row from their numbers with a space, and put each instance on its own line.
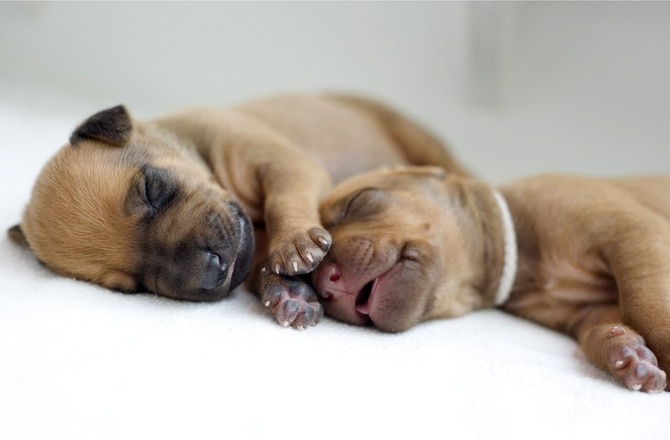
column 81, row 362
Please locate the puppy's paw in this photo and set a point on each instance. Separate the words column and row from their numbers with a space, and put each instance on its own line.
column 298, row 252
column 290, row 300
column 633, row 363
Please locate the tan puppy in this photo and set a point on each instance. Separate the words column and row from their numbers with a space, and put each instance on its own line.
column 168, row 205
column 416, row 244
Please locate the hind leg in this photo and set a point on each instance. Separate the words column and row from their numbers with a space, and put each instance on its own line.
column 638, row 253
column 621, row 351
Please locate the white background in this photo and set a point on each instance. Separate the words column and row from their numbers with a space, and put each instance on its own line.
column 517, row 88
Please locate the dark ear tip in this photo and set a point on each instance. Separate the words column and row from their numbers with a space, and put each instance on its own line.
column 16, row 234
column 74, row 139
column 112, row 126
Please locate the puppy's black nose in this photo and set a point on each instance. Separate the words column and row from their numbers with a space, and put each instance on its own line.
column 215, row 271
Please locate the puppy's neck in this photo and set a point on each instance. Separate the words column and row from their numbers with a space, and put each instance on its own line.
column 493, row 240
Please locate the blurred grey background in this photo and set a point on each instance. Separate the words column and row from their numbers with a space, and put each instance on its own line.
column 516, row 88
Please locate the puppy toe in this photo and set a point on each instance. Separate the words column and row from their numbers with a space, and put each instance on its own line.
column 271, row 292
column 299, row 253
column 321, row 237
column 311, row 314
column 634, row 364
column 286, row 312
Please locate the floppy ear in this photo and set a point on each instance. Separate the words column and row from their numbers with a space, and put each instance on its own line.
column 17, row 236
column 112, row 126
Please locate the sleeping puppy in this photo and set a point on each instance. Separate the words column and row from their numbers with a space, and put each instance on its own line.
column 587, row 257
column 170, row 205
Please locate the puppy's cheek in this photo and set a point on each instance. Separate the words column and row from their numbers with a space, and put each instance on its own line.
column 119, row 281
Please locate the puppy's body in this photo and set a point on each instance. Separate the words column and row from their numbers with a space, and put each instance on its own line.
column 594, row 262
column 593, row 259
column 168, row 205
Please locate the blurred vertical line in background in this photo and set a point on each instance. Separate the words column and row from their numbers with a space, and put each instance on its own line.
column 489, row 39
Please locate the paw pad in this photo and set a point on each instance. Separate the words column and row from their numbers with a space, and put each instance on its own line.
column 290, row 300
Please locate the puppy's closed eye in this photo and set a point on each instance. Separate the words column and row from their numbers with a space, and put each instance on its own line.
column 368, row 201
column 151, row 191
column 160, row 189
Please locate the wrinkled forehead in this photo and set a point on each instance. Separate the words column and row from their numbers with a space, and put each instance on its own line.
column 415, row 179
column 391, row 178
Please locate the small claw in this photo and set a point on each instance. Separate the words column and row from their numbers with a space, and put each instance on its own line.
column 295, row 266
column 615, row 331
column 309, row 257
column 323, row 241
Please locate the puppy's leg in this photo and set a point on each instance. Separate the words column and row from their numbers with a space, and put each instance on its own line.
column 297, row 242
column 638, row 254
column 277, row 182
column 276, row 177
column 619, row 350
column 417, row 144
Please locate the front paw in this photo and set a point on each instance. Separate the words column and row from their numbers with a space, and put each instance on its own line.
column 296, row 253
column 290, row 300
column 633, row 363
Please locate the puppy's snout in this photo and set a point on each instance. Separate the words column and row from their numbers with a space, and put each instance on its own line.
column 216, row 271
column 329, row 282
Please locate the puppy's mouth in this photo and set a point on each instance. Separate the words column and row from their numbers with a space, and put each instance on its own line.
column 223, row 274
column 216, row 272
column 369, row 298
column 353, row 299
column 376, row 299
column 245, row 252
column 363, row 301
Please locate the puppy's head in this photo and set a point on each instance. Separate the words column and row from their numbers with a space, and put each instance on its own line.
column 126, row 206
column 408, row 246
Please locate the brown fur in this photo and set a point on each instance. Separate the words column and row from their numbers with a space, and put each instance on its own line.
column 594, row 259
column 168, row 205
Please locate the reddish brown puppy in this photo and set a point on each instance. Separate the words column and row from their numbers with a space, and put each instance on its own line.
column 588, row 257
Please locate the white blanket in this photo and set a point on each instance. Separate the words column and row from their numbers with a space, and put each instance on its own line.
column 80, row 362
